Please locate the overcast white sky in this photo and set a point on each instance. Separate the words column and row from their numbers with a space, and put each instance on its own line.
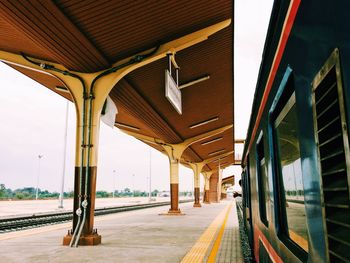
column 32, row 122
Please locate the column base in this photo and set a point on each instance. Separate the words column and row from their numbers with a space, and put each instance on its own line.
column 84, row 240
column 173, row 213
column 197, row 205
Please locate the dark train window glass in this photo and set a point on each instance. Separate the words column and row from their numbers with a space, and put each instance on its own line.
column 286, row 131
column 244, row 190
column 247, row 191
column 247, row 183
column 263, row 185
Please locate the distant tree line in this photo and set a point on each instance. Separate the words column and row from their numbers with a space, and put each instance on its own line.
column 25, row 193
column 125, row 193
column 28, row 193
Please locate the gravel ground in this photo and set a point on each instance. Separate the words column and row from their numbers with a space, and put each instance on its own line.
column 246, row 251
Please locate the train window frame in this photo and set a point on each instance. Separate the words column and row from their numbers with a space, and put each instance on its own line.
column 283, row 96
column 244, row 189
column 248, row 210
column 246, row 185
column 263, row 205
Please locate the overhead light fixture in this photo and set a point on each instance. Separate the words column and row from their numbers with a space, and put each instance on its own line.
column 127, row 126
column 216, row 152
column 190, row 83
column 62, row 89
column 211, row 141
column 203, row 122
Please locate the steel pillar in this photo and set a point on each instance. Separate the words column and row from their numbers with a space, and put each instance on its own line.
column 197, row 168
column 174, row 187
column 207, row 176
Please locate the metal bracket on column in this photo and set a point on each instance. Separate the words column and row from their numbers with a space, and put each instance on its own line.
column 196, row 167
column 207, row 174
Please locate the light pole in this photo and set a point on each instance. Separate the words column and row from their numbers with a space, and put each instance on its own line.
column 113, row 182
column 133, row 185
column 37, row 179
column 150, row 176
column 193, row 187
column 60, row 203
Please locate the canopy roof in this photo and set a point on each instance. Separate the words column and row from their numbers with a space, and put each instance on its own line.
column 89, row 36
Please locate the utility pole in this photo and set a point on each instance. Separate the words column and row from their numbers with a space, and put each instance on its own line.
column 37, row 179
column 113, row 182
column 150, row 175
column 60, row 203
column 193, row 187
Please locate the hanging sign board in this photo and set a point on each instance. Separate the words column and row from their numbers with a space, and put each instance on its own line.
column 172, row 93
column 110, row 110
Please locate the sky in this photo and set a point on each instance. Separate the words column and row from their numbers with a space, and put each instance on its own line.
column 33, row 124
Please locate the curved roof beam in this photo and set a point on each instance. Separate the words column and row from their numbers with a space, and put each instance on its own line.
column 176, row 150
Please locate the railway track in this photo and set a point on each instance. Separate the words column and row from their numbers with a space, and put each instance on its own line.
column 32, row 221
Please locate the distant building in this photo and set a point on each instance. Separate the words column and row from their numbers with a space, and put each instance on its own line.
column 164, row 194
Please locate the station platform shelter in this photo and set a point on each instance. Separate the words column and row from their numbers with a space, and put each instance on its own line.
column 160, row 72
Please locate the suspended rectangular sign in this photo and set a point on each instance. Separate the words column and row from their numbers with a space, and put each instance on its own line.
column 109, row 112
column 172, row 93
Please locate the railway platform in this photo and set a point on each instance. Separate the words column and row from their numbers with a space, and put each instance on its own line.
column 29, row 207
column 207, row 234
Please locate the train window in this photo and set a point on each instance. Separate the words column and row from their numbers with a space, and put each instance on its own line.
column 263, row 186
column 244, row 190
column 246, row 186
column 289, row 167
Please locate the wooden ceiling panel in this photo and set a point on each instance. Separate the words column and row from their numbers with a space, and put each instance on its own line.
column 12, row 40
column 123, row 28
column 47, row 27
column 87, row 36
column 202, row 101
column 225, row 144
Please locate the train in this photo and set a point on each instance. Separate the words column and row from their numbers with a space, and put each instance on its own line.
column 296, row 161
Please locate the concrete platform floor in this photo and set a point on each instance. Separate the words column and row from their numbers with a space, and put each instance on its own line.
column 135, row 236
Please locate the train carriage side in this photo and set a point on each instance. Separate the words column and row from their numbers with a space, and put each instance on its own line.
column 297, row 164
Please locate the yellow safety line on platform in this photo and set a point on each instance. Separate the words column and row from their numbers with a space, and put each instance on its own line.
column 198, row 251
column 217, row 243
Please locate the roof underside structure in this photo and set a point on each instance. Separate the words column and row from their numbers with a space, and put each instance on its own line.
column 228, row 180
column 89, row 36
